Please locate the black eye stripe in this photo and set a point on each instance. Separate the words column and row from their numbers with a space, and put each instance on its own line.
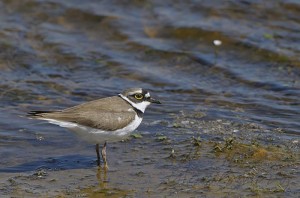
column 137, row 94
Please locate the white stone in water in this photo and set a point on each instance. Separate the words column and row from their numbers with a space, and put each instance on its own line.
column 217, row 42
column 295, row 141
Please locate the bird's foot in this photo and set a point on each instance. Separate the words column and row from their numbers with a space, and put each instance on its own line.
column 105, row 167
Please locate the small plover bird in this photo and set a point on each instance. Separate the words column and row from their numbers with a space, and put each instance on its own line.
column 106, row 119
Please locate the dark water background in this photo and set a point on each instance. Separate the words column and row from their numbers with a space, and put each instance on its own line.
column 55, row 54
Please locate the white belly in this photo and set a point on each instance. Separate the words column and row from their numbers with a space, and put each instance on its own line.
column 96, row 135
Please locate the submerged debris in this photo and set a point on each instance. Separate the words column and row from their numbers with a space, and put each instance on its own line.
column 136, row 135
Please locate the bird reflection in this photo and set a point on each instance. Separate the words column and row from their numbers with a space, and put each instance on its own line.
column 102, row 177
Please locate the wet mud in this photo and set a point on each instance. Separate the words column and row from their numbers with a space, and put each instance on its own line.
column 197, row 157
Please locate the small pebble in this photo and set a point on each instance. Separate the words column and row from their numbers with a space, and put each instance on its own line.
column 217, row 42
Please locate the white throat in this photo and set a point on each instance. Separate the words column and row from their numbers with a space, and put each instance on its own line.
column 140, row 106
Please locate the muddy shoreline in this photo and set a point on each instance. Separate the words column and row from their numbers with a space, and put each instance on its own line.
column 196, row 157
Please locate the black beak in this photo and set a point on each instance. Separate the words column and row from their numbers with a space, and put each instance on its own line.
column 152, row 100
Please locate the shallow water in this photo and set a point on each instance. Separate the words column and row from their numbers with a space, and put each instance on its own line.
column 55, row 54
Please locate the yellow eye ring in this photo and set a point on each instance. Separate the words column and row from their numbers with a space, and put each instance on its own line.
column 138, row 96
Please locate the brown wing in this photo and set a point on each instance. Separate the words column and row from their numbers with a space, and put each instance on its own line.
column 107, row 114
column 110, row 104
column 108, row 121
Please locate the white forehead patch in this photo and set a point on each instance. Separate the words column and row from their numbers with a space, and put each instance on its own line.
column 147, row 95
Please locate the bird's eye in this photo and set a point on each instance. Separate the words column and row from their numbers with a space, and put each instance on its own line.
column 138, row 96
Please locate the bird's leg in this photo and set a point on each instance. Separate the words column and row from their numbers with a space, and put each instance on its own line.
column 98, row 155
column 104, row 155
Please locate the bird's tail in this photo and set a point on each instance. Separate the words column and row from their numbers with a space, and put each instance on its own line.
column 37, row 114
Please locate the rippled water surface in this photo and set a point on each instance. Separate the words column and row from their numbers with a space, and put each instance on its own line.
column 55, row 54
